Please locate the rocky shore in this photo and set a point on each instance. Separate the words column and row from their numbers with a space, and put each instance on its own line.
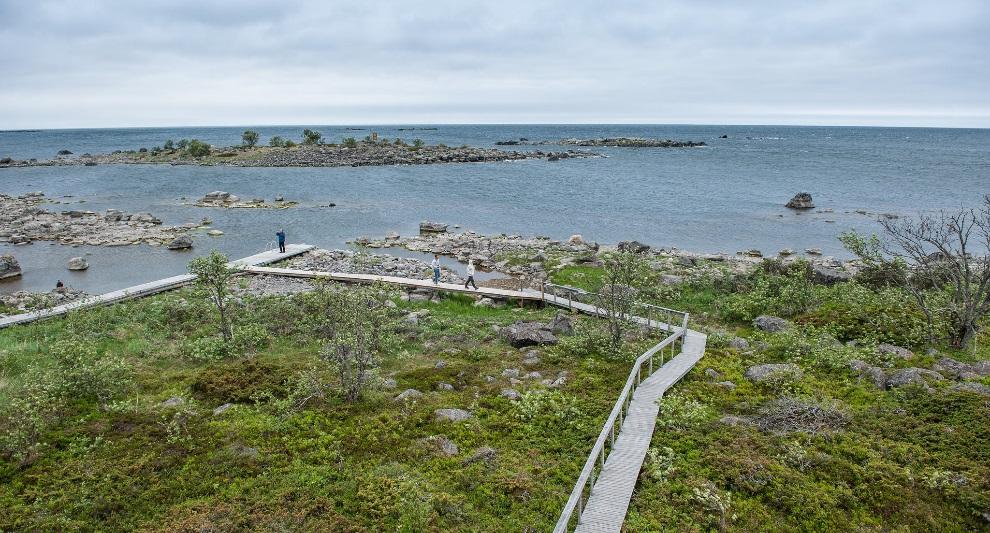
column 533, row 258
column 319, row 155
column 25, row 301
column 620, row 142
column 351, row 262
column 230, row 201
column 23, row 220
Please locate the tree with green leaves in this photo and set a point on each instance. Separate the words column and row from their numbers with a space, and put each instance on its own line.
column 312, row 136
column 276, row 142
column 249, row 138
column 357, row 326
column 418, row 143
column 621, row 273
column 182, row 144
column 198, row 148
column 941, row 259
column 350, row 142
column 169, row 145
column 213, row 274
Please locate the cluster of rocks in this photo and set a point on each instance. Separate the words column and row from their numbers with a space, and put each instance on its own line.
column 801, row 200
column 966, row 375
column 509, row 254
column 227, row 200
column 263, row 286
column 621, row 142
column 522, row 333
column 351, row 262
column 23, row 220
column 24, row 301
column 9, row 267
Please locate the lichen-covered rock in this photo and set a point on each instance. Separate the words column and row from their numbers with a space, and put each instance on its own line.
column 971, row 386
column 865, row 370
column 511, row 394
column 896, row 351
column 451, row 415
column 409, row 394
column 774, row 372
column 912, row 376
column 739, row 343
column 828, row 276
column 635, row 247
column 959, row 370
column 78, row 263
column 770, row 323
column 521, row 334
column 182, row 242
column 9, row 267
column 561, row 324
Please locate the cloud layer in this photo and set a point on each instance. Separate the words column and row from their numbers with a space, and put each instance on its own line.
column 117, row 63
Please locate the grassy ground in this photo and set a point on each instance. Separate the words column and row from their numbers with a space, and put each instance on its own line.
column 137, row 464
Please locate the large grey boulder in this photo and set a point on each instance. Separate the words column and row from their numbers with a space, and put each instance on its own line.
column 770, row 323
column 959, row 370
column 78, row 263
column 523, row 334
column 801, row 200
column 971, row 386
column 739, row 343
column 896, row 351
column 774, row 372
column 912, row 376
column 182, row 242
column 635, row 247
column 451, row 415
column 561, row 324
column 829, row 276
column 432, row 227
column 408, row 394
column 9, row 267
column 865, row 370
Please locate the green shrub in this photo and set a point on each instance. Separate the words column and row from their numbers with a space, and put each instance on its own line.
column 678, row 412
column 547, row 408
column 207, row 349
column 250, row 337
column 197, row 148
column 241, row 381
column 852, row 311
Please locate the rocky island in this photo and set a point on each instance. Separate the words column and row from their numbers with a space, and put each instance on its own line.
column 23, row 220
column 288, row 154
column 619, row 142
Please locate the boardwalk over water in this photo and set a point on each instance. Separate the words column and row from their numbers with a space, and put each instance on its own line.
column 630, row 425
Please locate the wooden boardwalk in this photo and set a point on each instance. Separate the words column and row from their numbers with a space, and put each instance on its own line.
column 613, row 490
column 147, row 289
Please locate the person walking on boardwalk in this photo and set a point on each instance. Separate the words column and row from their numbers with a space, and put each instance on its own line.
column 436, row 268
column 281, row 240
column 470, row 275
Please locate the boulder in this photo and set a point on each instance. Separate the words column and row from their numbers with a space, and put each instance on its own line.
column 532, row 358
column 521, row 334
column 218, row 197
column 828, row 276
column 912, row 376
column 389, row 384
column 174, row 401
column 711, row 373
column 441, row 445
column 635, row 247
column 484, row 453
column 214, row 233
column 671, row 279
column 9, row 267
column 78, row 263
column 728, row 385
column 391, row 236
column 182, row 242
column 774, row 372
column 801, row 200
column 732, row 420
column 813, row 251
column 770, row 323
column 408, row 394
column 432, row 227
column 451, row 415
column 561, row 324
column 576, row 239
column 971, row 386
column 897, row 351
column 222, row 409
column 739, row 343
column 959, row 370
column 866, row 370
column 510, row 373
column 485, row 302
column 147, row 218
column 511, row 394
column 445, row 386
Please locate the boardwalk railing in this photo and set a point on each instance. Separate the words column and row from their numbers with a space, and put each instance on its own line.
column 652, row 358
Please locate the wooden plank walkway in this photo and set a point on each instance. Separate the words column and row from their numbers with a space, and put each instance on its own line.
column 613, row 490
column 147, row 289
column 528, row 294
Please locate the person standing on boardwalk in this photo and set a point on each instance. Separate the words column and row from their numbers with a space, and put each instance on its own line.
column 436, row 268
column 470, row 275
column 281, row 240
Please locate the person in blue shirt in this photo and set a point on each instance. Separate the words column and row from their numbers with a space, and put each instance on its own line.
column 281, row 240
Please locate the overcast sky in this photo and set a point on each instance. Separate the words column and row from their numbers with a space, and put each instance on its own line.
column 79, row 63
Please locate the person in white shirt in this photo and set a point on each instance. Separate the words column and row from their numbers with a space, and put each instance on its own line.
column 436, row 268
column 470, row 275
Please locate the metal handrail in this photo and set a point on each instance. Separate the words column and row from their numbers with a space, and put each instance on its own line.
column 606, row 438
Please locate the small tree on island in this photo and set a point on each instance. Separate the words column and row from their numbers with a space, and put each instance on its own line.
column 350, row 142
column 213, row 274
column 197, row 148
column 276, row 142
column 312, row 137
column 418, row 143
column 941, row 259
column 249, row 138
column 621, row 272
column 169, row 145
column 356, row 324
column 182, row 144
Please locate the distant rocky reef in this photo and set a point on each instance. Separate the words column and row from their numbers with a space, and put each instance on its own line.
column 355, row 154
column 621, row 142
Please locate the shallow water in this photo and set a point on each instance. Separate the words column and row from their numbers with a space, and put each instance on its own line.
column 725, row 197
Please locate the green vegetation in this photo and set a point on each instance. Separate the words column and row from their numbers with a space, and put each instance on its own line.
column 276, row 142
column 312, row 137
column 197, row 148
column 249, row 138
column 121, row 434
column 350, row 142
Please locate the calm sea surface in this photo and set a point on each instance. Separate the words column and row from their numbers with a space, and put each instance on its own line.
column 725, row 197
